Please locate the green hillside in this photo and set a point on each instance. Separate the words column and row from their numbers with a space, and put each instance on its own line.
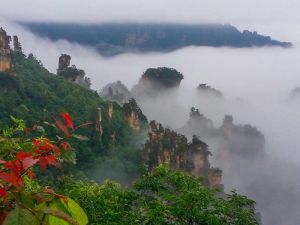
column 36, row 95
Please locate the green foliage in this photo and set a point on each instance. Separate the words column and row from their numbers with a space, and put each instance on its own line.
column 167, row 77
column 163, row 196
column 8, row 82
column 71, row 73
column 41, row 95
column 19, row 216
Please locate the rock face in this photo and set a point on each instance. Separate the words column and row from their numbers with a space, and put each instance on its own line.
column 63, row 63
column 72, row 73
column 133, row 114
column 17, row 44
column 209, row 91
column 197, row 124
column 199, row 159
column 215, row 178
column 229, row 139
column 5, row 52
column 99, row 123
column 110, row 110
column 158, row 79
column 116, row 91
column 243, row 140
column 165, row 146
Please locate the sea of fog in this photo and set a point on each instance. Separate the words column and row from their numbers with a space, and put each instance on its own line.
column 256, row 84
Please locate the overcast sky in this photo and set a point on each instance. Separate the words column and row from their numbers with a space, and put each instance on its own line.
column 221, row 11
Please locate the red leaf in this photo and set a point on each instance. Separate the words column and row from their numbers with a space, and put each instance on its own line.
column 47, row 160
column 22, row 155
column 66, row 116
column 3, row 193
column 52, row 160
column 62, row 127
column 26, row 159
column 35, row 142
column 29, row 162
column 15, row 166
column 43, row 163
column 11, row 178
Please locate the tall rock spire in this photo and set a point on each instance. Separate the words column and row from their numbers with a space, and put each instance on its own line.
column 5, row 54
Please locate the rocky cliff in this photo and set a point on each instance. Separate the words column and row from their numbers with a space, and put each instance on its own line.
column 165, row 146
column 134, row 115
column 229, row 139
column 5, row 52
column 71, row 73
column 116, row 91
column 204, row 89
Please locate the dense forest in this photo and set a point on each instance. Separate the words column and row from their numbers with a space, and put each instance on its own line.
column 111, row 39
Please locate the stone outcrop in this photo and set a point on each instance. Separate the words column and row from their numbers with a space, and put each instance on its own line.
column 228, row 139
column 71, row 73
column 198, row 155
column 155, row 80
column 165, row 146
column 63, row 63
column 99, row 123
column 209, row 91
column 116, row 91
column 197, row 124
column 5, row 52
column 134, row 115
column 215, row 178
column 17, row 44
column 110, row 110
column 243, row 140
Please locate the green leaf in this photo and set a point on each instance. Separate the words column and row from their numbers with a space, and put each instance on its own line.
column 65, row 212
column 55, row 217
column 76, row 211
column 20, row 216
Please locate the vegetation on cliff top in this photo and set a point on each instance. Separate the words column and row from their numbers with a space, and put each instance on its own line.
column 111, row 39
column 167, row 77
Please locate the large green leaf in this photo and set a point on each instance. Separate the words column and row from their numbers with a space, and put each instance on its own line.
column 66, row 212
column 55, row 217
column 20, row 216
column 76, row 211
